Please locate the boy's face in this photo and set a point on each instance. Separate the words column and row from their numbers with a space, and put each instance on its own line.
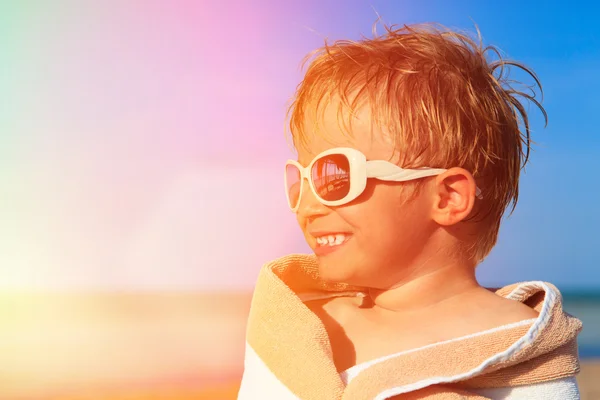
column 387, row 227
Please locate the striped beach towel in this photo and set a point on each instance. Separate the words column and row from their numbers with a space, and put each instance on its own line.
column 289, row 355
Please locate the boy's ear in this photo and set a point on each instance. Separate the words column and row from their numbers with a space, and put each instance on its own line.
column 454, row 196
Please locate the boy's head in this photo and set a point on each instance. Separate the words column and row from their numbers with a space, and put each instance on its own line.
column 417, row 96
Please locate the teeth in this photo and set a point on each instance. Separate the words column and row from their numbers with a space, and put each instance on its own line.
column 331, row 240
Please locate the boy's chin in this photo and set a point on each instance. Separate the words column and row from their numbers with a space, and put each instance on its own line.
column 336, row 271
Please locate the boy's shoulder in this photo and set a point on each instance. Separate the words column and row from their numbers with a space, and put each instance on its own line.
column 359, row 332
column 492, row 310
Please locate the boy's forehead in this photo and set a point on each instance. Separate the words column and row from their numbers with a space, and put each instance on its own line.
column 331, row 128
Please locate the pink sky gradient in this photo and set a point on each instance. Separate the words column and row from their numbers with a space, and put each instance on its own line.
column 146, row 147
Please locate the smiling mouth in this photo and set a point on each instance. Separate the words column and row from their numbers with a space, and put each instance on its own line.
column 332, row 240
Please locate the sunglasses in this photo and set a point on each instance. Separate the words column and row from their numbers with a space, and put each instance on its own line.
column 338, row 176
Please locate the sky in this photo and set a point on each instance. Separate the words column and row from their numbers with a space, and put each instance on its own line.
column 142, row 142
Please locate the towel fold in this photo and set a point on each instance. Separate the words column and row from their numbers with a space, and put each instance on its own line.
column 289, row 355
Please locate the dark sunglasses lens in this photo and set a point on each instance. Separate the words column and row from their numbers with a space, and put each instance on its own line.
column 292, row 175
column 331, row 177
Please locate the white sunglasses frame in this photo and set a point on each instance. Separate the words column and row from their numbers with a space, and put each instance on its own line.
column 360, row 171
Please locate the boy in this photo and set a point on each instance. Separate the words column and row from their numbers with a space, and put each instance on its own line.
column 409, row 151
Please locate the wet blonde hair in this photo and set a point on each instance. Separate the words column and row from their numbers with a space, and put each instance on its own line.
column 444, row 103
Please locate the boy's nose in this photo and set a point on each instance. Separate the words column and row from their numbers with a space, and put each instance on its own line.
column 310, row 207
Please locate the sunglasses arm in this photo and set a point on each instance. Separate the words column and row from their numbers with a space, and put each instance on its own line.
column 386, row 171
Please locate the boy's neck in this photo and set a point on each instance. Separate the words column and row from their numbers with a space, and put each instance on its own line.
column 431, row 288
